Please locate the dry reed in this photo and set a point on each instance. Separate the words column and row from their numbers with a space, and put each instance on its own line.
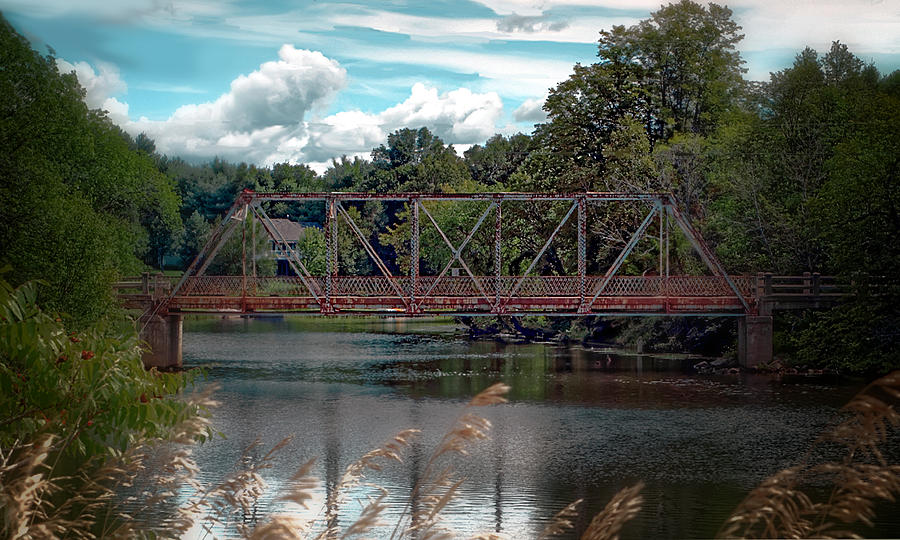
column 781, row 505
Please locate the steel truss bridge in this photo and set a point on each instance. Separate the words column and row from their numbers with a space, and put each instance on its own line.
column 387, row 294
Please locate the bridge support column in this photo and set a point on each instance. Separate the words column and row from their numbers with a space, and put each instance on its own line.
column 754, row 340
column 163, row 334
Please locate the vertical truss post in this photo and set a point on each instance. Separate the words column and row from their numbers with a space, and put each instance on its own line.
column 253, row 248
column 330, row 238
column 244, row 260
column 498, row 269
column 414, row 254
column 335, row 261
column 582, row 249
column 661, row 217
column 666, row 282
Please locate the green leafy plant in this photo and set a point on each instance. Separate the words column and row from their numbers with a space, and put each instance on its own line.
column 76, row 409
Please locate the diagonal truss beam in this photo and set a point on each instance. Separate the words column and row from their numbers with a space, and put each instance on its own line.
column 249, row 203
column 540, row 254
column 373, row 254
column 635, row 238
column 457, row 252
column 294, row 260
column 212, row 246
column 705, row 253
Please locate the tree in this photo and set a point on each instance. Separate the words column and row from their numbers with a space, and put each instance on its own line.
column 346, row 174
column 676, row 72
column 689, row 53
column 493, row 163
column 80, row 206
column 415, row 160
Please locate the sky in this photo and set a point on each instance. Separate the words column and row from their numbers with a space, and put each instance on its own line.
column 305, row 81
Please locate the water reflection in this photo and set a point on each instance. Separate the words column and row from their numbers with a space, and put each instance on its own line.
column 581, row 423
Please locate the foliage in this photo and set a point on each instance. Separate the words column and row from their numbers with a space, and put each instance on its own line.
column 414, row 160
column 238, row 250
column 79, row 205
column 493, row 163
column 75, row 405
column 311, row 248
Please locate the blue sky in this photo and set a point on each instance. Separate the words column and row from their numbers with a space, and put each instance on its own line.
column 305, row 81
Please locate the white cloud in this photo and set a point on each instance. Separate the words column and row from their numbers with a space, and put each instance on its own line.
column 260, row 119
column 98, row 85
column 263, row 117
column 117, row 111
column 864, row 26
column 458, row 117
column 513, row 27
column 538, row 7
column 128, row 11
column 531, row 110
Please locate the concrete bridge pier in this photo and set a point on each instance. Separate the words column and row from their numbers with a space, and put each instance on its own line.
column 163, row 334
column 754, row 340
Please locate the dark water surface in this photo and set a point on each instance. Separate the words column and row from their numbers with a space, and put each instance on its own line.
column 580, row 423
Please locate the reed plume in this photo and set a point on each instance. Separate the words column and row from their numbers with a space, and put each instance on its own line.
column 779, row 506
column 561, row 523
column 621, row 508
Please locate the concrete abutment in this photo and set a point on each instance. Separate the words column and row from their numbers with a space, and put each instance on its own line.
column 163, row 334
column 755, row 340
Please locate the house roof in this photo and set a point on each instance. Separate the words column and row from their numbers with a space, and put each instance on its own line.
column 289, row 230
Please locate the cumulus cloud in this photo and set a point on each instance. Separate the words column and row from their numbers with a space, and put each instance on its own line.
column 260, row 119
column 531, row 110
column 459, row 116
column 264, row 117
column 100, row 86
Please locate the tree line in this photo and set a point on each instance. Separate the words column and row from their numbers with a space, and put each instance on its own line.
column 797, row 173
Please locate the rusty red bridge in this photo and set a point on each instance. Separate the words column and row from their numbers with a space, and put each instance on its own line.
column 456, row 289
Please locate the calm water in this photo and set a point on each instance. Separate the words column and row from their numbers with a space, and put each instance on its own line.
column 580, row 423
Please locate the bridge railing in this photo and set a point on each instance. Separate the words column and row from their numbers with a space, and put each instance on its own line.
column 807, row 285
column 447, row 286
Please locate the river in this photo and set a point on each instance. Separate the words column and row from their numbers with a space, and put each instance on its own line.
column 580, row 423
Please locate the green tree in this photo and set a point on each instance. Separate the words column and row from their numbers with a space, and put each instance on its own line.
column 676, row 72
column 493, row 163
column 415, row 160
column 80, row 206
column 311, row 248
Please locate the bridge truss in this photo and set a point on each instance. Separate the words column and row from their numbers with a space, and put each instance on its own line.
column 413, row 294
